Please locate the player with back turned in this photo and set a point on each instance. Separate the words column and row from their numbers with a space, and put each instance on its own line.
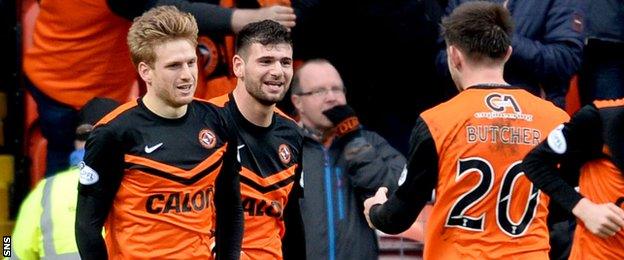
column 469, row 150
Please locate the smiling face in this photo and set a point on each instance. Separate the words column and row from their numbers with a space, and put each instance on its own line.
column 265, row 71
column 173, row 77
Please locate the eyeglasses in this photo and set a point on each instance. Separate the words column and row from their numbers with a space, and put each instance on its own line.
column 321, row 92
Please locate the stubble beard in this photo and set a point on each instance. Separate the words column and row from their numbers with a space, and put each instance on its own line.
column 262, row 98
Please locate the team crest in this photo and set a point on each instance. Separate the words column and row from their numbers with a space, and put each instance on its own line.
column 284, row 153
column 207, row 138
column 208, row 53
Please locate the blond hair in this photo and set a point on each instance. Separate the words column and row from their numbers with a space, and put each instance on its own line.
column 157, row 26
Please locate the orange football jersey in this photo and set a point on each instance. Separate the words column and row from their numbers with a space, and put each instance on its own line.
column 485, row 208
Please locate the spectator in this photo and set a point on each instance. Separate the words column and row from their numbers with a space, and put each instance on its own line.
column 602, row 74
column 70, row 62
column 45, row 224
column 343, row 165
column 158, row 169
column 591, row 141
column 393, row 32
column 469, row 150
column 547, row 46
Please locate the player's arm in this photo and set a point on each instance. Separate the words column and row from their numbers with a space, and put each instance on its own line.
column 579, row 140
column 293, row 242
column 211, row 18
column 399, row 212
column 615, row 140
column 100, row 176
column 229, row 226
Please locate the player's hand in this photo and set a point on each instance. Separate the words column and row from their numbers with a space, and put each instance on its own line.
column 379, row 198
column 603, row 220
column 282, row 14
column 344, row 119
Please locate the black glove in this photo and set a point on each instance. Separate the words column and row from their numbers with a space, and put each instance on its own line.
column 344, row 119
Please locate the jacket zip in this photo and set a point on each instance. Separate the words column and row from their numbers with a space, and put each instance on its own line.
column 331, row 233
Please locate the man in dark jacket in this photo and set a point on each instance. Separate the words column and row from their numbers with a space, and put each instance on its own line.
column 343, row 165
column 602, row 73
column 547, row 46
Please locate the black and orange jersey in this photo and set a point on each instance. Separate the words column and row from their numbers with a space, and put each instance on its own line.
column 270, row 159
column 593, row 142
column 155, row 184
column 469, row 150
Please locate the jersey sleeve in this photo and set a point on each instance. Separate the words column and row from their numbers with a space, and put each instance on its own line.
column 100, row 177
column 211, row 18
column 293, row 242
column 575, row 142
column 400, row 211
column 230, row 221
column 613, row 123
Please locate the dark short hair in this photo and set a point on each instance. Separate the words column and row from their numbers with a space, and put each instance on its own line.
column 265, row 32
column 480, row 29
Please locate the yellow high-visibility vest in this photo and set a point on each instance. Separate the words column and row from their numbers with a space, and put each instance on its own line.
column 45, row 224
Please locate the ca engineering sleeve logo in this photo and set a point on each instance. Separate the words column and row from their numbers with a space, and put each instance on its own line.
column 6, row 246
column 499, row 102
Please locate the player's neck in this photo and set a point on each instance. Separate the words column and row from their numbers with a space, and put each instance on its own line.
column 482, row 76
column 254, row 111
column 161, row 108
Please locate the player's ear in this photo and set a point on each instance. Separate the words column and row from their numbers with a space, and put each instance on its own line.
column 455, row 57
column 508, row 53
column 145, row 71
column 238, row 65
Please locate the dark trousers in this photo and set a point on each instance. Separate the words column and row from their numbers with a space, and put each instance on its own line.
column 602, row 73
column 561, row 236
column 58, row 125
